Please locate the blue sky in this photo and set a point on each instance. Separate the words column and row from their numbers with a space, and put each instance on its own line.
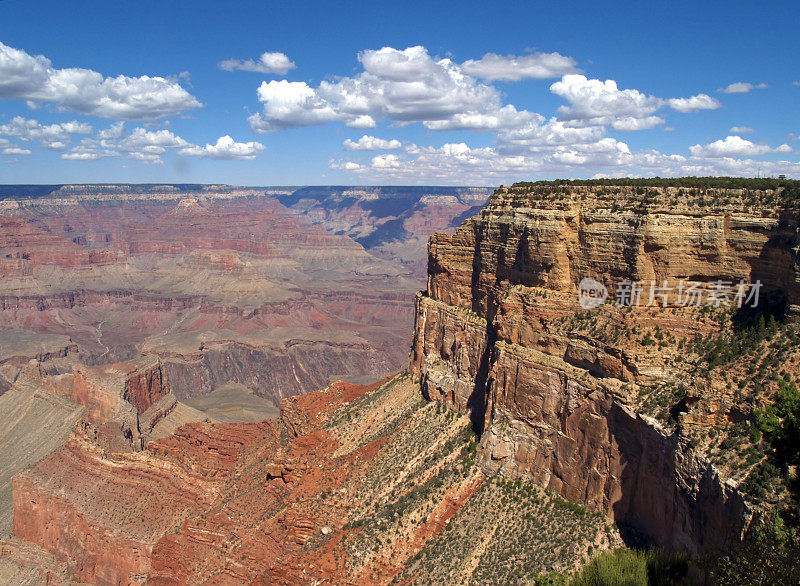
column 456, row 93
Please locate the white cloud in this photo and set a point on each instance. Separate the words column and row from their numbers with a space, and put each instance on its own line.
column 140, row 144
column 407, row 86
column 148, row 146
column 371, row 143
column 226, row 148
column 32, row 78
column 291, row 103
column 742, row 87
column 741, row 129
column 362, row 122
column 16, row 151
column 596, row 102
column 505, row 117
column 386, row 162
column 346, row 166
column 602, row 102
column 633, row 123
column 694, row 103
column 514, row 68
column 146, row 141
column 540, row 134
column 784, row 149
column 404, row 86
column 460, row 164
column 52, row 136
column 277, row 63
column 81, row 154
column 730, row 146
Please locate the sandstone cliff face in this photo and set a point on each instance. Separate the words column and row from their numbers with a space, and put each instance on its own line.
column 495, row 336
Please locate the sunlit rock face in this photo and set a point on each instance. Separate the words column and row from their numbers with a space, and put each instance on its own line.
column 559, row 392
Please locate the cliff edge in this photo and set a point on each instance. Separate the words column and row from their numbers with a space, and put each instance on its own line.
column 560, row 319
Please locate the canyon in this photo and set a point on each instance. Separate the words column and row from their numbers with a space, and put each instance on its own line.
column 226, row 299
column 223, row 284
column 524, row 433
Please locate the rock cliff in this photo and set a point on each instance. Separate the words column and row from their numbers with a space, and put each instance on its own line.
column 576, row 399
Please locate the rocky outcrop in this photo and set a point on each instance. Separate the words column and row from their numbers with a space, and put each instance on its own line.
column 498, row 335
column 107, row 512
column 275, row 372
column 390, row 222
column 353, row 485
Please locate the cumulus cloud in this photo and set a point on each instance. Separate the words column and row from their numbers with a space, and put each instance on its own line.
column 540, row 134
column 404, row 86
column 505, row 117
column 52, row 136
column 291, row 103
column 514, row 68
column 226, row 149
column 16, row 151
column 371, row 143
column 633, row 123
column 34, row 79
column 346, row 166
column 730, row 146
column 741, row 129
column 694, row 103
column 602, row 102
column 742, row 87
column 386, row 162
column 408, row 86
column 140, row 144
column 457, row 162
column 274, row 63
column 596, row 102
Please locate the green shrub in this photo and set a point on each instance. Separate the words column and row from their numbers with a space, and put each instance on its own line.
column 770, row 554
column 629, row 567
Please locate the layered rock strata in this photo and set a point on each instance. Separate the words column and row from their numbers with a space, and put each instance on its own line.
column 557, row 390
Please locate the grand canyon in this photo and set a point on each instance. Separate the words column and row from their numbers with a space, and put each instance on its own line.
column 208, row 384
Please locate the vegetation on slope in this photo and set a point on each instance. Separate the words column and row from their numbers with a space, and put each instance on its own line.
column 424, row 513
column 510, row 532
column 628, row 567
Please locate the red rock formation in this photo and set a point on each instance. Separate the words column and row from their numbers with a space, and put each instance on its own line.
column 107, row 513
column 145, row 387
